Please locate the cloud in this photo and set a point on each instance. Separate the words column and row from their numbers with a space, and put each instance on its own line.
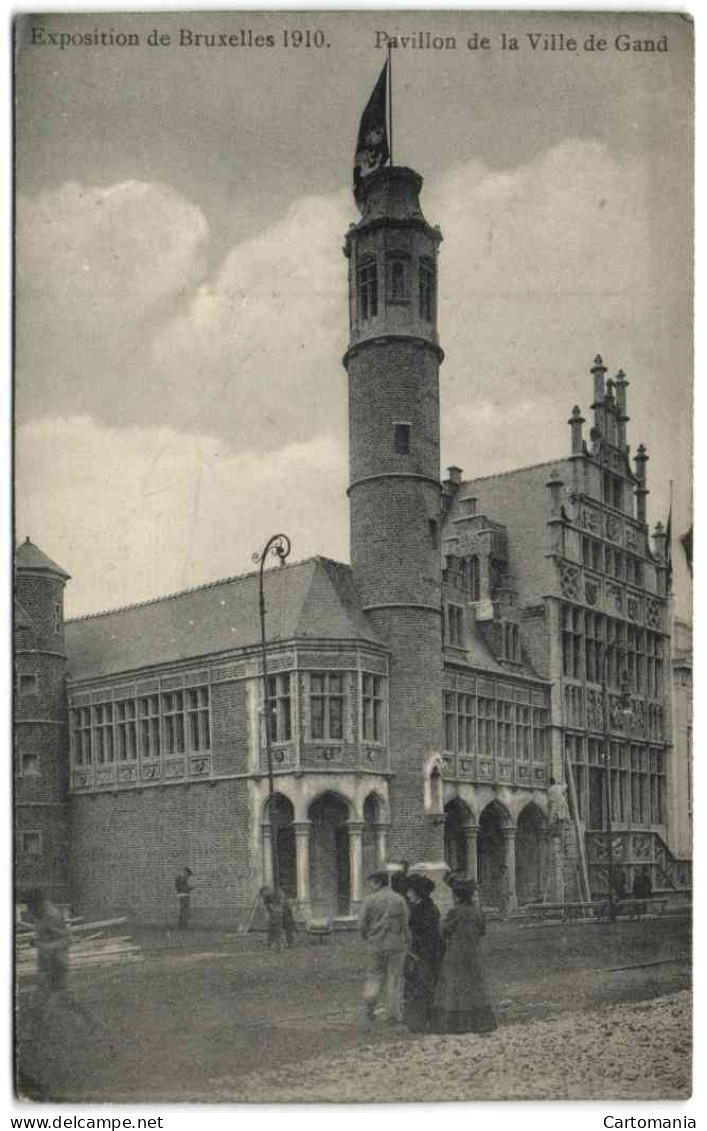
column 132, row 513
column 150, row 392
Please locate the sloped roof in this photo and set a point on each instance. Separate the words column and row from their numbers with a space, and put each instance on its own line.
column 477, row 654
column 313, row 599
column 29, row 557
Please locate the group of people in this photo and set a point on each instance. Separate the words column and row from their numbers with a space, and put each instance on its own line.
column 425, row 972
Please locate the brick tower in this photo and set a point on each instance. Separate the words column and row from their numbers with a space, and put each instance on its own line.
column 393, row 364
column 41, row 742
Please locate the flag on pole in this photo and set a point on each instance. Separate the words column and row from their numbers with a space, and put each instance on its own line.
column 686, row 543
column 372, row 150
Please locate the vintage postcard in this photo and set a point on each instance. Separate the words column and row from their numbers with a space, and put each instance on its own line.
column 353, row 557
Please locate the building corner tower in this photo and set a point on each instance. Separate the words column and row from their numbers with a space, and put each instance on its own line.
column 393, row 364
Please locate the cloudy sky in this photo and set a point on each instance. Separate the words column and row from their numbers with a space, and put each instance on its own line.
column 181, row 291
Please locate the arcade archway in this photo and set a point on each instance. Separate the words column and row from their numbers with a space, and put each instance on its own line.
column 491, row 853
column 281, row 815
column 531, row 851
column 457, row 820
column 329, row 857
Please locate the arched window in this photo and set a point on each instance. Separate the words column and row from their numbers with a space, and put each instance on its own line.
column 367, row 289
column 428, row 289
column 397, row 280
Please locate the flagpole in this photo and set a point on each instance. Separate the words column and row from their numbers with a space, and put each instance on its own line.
column 390, row 101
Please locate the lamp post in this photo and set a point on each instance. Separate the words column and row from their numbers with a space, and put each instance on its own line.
column 278, row 544
column 625, row 707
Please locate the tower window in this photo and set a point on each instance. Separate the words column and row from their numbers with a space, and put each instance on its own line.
column 30, row 764
column 28, row 684
column 397, row 281
column 367, row 289
column 427, row 289
column 31, row 842
column 434, row 534
column 401, row 439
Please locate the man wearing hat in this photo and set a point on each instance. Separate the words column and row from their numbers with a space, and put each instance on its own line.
column 183, row 888
column 384, row 927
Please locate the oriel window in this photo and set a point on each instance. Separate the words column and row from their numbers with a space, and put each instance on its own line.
column 373, row 718
column 280, row 707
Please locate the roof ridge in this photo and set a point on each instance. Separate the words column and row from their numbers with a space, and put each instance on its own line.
column 191, row 589
column 514, row 470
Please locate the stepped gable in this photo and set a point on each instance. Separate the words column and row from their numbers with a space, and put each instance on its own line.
column 29, row 558
column 312, row 599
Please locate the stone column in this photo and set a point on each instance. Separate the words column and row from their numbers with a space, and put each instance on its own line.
column 355, row 830
column 509, row 859
column 267, row 855
column 302, row 830
column 381, row 834
column 472, row 865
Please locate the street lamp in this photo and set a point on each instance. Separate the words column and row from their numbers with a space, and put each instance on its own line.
column 280, row 546
column 625, row 708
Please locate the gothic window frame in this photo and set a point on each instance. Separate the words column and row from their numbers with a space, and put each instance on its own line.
column 149, row 727
column 279, row 706
column 198, row 717
column 125, row 715
column 367, row 288
column 30, row 764
column 103, row 737
column 373, row 688
column 327, row 689
column 397, row 278
column 427, row 289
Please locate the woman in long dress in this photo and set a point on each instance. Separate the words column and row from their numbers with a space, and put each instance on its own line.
column 424, row 954
column 463, row 1002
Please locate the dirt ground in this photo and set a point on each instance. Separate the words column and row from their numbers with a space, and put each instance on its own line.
column 214, row 1017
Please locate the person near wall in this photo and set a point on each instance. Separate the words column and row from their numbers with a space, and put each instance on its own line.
column 184, row 888
column 462, row 1000
column 49, row 1010
column 384, row 929
column 424, row 954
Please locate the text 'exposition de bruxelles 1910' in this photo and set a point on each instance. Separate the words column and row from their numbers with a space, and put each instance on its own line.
column 537, row 43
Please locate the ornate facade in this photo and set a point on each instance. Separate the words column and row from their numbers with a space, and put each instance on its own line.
column 420, row 700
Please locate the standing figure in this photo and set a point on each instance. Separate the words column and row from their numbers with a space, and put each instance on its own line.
column 184, row 889
column 424, row 955
column 384, row 928
column 47, row 1036
column 463, row 1002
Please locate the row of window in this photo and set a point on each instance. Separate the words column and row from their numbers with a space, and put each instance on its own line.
column 175, row 722
column 595, row 646
column 637, row 782
column 608, row 559
column 477, row 725
column 178, row 722
column 398, row 286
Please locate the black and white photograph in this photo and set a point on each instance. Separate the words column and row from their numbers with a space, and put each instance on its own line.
column 352, row 532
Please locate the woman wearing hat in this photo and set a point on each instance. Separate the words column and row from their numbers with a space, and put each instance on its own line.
column 424, row 954
column 463, row 1002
